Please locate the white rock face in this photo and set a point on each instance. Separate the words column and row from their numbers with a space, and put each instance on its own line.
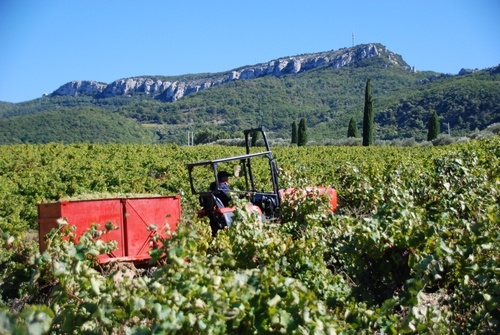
column 131, row 85
column 465, row 71
column 347, row 58
column 171, row 91
column 78, row 87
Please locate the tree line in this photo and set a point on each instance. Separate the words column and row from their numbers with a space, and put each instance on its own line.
column 299, row 135
column 329, row 98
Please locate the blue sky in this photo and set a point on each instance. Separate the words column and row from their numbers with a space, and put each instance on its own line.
column 45, row 44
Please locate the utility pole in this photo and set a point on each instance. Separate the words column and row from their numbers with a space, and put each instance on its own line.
column 448, row 129
column 353, row 38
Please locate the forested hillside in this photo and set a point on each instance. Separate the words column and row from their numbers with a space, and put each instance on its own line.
column 88, row 124
column 326, row 96
column 53, row 103
column 465, row 102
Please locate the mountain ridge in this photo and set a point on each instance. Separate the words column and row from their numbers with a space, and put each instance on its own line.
column 326, row 88
column 173, row 88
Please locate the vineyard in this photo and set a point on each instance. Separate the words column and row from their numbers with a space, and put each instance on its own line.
column 413, row 249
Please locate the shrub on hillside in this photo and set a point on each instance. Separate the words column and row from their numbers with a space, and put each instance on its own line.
column 348, row 142
column 447, row 139
column 494, row 128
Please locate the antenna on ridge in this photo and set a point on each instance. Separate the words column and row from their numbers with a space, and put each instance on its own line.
column 353, row 38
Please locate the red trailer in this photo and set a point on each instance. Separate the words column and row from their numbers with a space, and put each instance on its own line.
column 130, row 216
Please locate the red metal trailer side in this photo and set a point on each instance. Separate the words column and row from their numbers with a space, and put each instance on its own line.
column 130, row 216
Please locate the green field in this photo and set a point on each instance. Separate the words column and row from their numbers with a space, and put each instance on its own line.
column 413, row 248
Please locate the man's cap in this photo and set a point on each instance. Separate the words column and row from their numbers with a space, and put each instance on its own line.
column 223, row 174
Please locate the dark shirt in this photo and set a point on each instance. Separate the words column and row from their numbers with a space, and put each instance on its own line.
column 224, row 187
column 223, row 193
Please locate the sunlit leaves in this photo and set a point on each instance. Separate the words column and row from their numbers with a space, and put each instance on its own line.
column 413, row 247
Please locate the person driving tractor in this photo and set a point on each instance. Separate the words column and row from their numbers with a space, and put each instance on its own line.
column 223, row 193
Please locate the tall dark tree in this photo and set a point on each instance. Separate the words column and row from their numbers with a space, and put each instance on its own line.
column 368, row 116
column 255, row 138
column 352, row 131
column 294, row 132
column 434, row 127
column 302, row 133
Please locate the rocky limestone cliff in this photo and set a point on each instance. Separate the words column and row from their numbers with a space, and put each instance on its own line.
column 80, row 87
column 174, row 90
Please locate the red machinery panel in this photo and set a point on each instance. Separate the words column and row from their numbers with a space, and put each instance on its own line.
column 140, row 213
column 82, row 214
column 130, row 216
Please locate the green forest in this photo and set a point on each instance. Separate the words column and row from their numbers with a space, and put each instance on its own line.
column 326, row 97
column 87, row 124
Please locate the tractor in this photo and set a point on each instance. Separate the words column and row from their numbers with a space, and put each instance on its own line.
column 263, row 194
column 132, row 219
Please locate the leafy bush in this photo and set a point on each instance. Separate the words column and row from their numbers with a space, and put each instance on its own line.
column 444, row 139
column 348, row 142
column 415, row 224
column 494, row 128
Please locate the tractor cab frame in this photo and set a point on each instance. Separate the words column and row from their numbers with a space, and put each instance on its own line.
column 264, row 202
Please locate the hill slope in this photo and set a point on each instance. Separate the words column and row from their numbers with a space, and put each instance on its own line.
column 170, row 89
column 465, row 103
column 88, row 124
column 325, row 88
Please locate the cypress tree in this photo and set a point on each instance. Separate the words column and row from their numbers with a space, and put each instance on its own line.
column 368, row 116
column 434, row 127
column 294, row 132
column 352, row 131
column 255, row 137
column 302, row 134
